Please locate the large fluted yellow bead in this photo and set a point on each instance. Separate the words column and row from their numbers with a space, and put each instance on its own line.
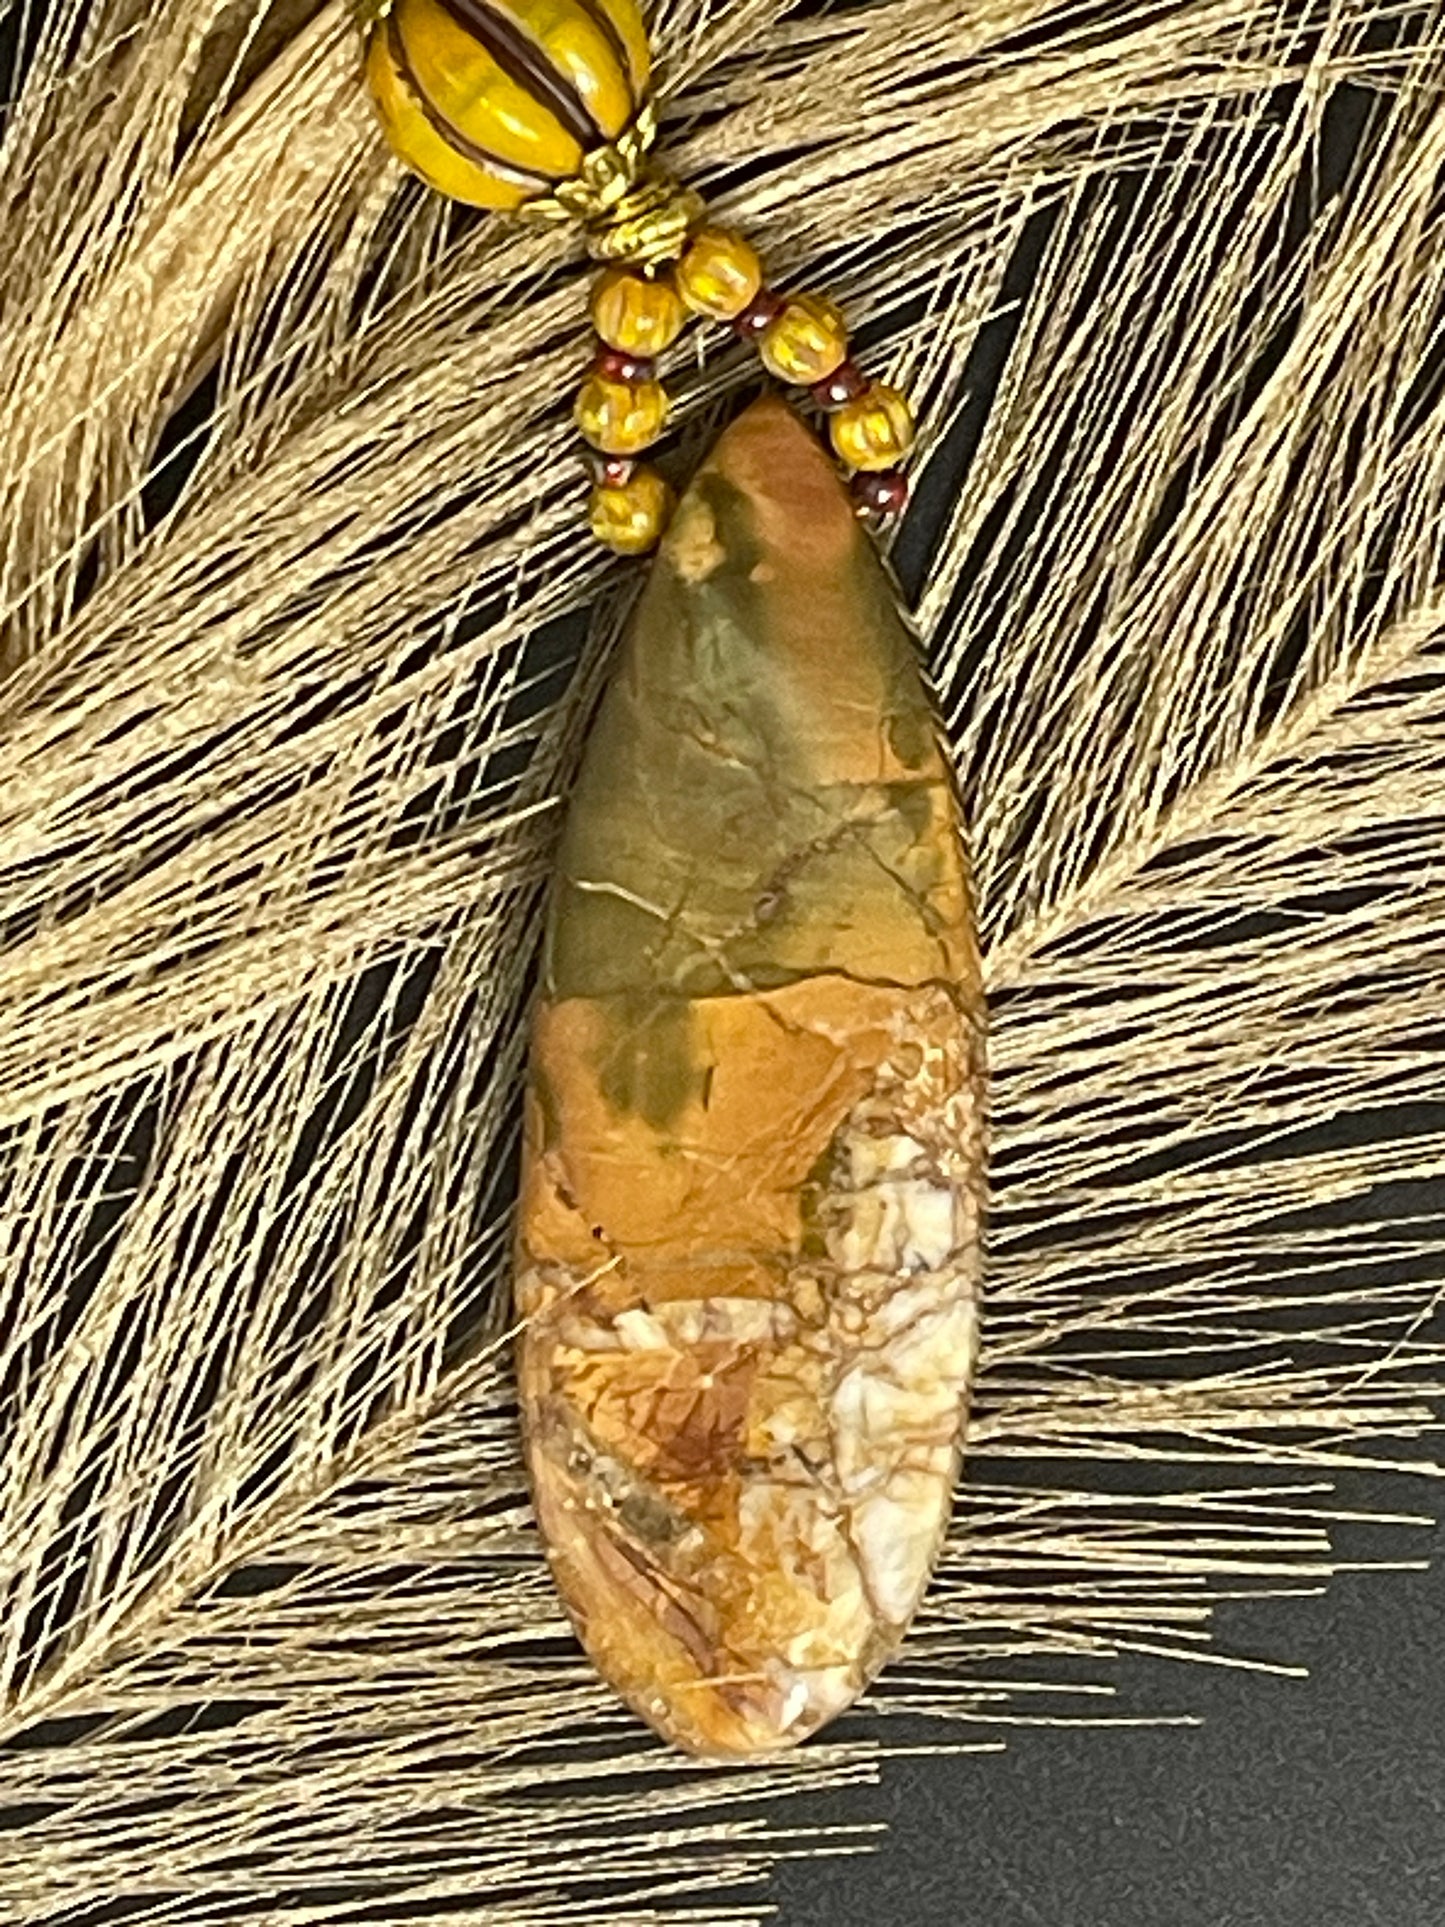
column 805, row 342
column 423, row 147
column 875, row 431
column 621, row 417
column 630, row 516
column 496, row 101
column 634, row 313
column 719, row 273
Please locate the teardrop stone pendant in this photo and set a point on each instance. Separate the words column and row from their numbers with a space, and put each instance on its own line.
column 749, row 1236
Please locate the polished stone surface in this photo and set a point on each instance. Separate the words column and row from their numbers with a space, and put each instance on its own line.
column 749, row 1234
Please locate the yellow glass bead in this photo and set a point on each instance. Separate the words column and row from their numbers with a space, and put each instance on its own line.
column 719, row 274
column 875, row 431
column 805, row 342
column 417, row 143
column 626, row 17
column 583, row 50
column 621, row 417
column 631, row 312
column 630, row 516
column 496, row 103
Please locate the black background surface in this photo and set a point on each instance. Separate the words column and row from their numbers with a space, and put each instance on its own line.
column 1315, row 1803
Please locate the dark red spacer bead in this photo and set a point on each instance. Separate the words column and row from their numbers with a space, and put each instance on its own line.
column 763, row 309
column 612, row 471
column 881, row 491
column 846, row 383
column 616, row 364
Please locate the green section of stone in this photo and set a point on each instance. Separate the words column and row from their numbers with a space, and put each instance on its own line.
column 647, row 1067
column 548, row 1110
column 912, row 737
column 707, row 849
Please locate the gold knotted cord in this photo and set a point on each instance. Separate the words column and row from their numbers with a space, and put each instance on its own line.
column 630, row 209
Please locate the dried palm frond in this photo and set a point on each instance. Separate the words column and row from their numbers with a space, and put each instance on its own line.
column 293, row 580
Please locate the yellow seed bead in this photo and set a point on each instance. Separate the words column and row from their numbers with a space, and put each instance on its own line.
column 621, row 417
column 630, row 312
column 719, row 274
column 630, row 518
column 874, row 432
column 805, row 342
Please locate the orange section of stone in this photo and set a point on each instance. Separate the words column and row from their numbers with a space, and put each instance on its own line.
column 772, row 1076
column 678, row 1379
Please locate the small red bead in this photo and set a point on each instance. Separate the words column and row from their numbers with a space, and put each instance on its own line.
column 881, row 491
column 612, row 471
column 846, row 383
column 764, row 308
column 616, row 364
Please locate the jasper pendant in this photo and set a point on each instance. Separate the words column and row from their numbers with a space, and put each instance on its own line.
column 748, row 1249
